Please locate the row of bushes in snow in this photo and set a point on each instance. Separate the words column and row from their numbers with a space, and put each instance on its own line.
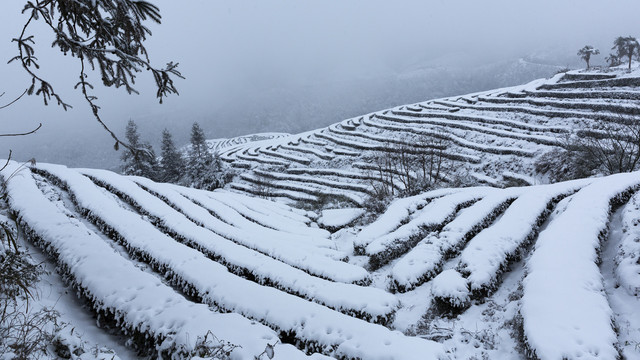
column 269, row 192
column 261, row 158
column 156, row 320
column 573, row 105
column 264, row 270
column 311, row 141
column 344, row 152
column 424, row 261
column 240, row 164
column 318, row 191
column 383, row 142
column 283, row 155
column 566, row 313
column 320, row 154
column 310, row 326
column 548, row 113
column 432, row 217
column 339, row 173
column 587, row 94
column 490, row 252
column 195, row 276
column 304, row 179
column 265, row 213
column 500, row 150
column 618, row 82
column 397, row 214
column 344, row 174
column 235, row 223
column 628, row 257
column 243, row 211
column 225, row 243
column 569, row 76
column 484, row 119
column 459, row 140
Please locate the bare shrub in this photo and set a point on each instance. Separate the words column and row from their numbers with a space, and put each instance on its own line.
column 402, row 170
column 262, row 185
column 610, row 149
column 24, row 332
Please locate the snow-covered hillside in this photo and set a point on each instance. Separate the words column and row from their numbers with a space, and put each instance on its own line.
column 492, row 137
column 545, row 271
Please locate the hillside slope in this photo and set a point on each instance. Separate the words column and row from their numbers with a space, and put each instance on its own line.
column 547, row 271
column 490, row 137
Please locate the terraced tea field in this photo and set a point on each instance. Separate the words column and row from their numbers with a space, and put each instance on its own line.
column 494, row 137
column 547, row 271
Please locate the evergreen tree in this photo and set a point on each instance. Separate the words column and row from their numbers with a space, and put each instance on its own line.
column 141, row 161
column 172, row 163
column 199, row 151
column 204, row 171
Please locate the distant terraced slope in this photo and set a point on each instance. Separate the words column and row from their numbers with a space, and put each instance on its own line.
column 492, row 136
column 219, row 144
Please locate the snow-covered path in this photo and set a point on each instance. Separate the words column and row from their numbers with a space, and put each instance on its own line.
column 626, row 307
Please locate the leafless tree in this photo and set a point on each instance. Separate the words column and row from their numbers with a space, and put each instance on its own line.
column 611, row 148
column 615, row 149
column 415, row 168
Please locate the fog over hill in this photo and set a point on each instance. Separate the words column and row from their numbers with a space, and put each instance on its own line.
column 285, row 67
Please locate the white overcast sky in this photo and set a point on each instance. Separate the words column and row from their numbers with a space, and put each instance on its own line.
column 231, row 51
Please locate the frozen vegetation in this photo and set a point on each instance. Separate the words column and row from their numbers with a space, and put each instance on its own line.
column 290, row 260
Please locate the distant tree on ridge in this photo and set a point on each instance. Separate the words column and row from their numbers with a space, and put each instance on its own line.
column 613, row 60
column 626, row 47
column 586, row 52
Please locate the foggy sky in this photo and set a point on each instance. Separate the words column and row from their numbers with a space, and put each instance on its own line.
column 248, row 61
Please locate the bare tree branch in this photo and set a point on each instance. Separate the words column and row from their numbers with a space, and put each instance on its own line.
column 108, row 35
column 7, row 163
column 14, row 100
column 25, row 133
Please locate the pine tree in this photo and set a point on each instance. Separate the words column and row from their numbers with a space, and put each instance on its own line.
column 142, row 161
column 172, row 164
column 204, row 171
column 199, row 150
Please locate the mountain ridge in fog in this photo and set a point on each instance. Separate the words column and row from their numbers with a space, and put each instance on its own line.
column 300, row 108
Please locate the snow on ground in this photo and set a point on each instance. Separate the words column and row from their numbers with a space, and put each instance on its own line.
column 623, row 303
column 339, row 218
column 628, row 256
column 142, row 227
column 565, row 309
column 114, row 285
column 492, row 137
column 459, row 273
